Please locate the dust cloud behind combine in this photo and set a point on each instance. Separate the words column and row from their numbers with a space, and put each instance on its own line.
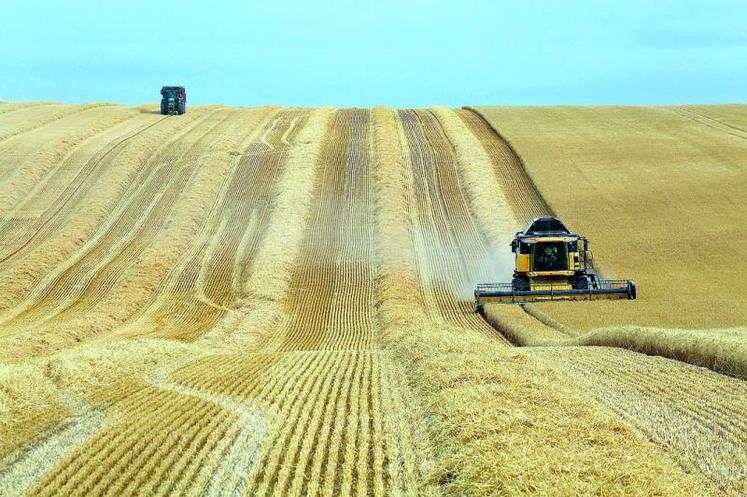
column 487, row 265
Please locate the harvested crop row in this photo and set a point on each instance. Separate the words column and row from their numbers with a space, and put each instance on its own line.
column 130, row 227
column 32, row 411
column 521, row 195
column 54, row 195
column 164, row 443
column 135, row 277
column 483, row 192
column 39, row 459
column 697, row 415
column 397, row 269
column 88, row 275
column 149, row 286
column 225, row 272
column 16, row 125
column 330, row 304
column 210, row 276
column 42, row 416
column 33, row 200
column 331, row 407
column 305, row 406
column 39, row 158
column 337, row 420
column 452, row 253
column 83, row 207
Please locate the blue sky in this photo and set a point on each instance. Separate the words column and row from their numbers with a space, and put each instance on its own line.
column 400, row 53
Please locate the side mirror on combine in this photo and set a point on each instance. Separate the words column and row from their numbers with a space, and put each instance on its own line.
column 173, row 100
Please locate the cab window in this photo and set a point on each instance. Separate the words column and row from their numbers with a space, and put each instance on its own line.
column 550, row 256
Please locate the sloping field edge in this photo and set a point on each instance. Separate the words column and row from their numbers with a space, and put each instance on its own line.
column 719, row 350
column 519, row 159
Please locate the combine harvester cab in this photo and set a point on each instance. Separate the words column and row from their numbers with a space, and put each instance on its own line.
column 173, row 100
column 552, row 263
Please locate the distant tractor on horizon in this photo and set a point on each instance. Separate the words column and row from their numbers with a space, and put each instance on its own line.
column 173, row 100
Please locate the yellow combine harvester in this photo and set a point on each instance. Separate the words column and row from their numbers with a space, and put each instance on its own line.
column 552, row 264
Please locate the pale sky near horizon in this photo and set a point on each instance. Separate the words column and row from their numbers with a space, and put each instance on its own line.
column 400, row 53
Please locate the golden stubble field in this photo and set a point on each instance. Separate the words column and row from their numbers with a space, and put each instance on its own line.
column 276, row 301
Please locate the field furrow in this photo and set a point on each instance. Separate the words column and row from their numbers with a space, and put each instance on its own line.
column 212, row 278
column 337, row 256
column 704, row 429
column 37, row 158
column 82, row 208
column 15, row 126
column 452, row 253
column 89, row 274
column 520, row 192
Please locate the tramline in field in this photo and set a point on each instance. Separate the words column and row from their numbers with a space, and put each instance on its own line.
column 552, row 263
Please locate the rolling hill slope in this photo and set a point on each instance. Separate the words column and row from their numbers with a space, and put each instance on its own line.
column 277, row 301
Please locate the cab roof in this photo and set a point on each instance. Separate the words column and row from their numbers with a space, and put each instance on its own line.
column 545, row 226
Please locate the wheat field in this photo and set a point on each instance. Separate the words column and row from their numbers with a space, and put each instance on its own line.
column 277, row 301
column 660, row 193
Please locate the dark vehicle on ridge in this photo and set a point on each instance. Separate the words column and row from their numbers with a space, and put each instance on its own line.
column 173, row 100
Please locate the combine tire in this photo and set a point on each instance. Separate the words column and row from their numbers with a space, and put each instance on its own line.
column 580, row 283
column 520, row 284
column 164, row 111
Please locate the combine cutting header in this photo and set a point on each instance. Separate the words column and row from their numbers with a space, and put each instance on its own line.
column 552, row 264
